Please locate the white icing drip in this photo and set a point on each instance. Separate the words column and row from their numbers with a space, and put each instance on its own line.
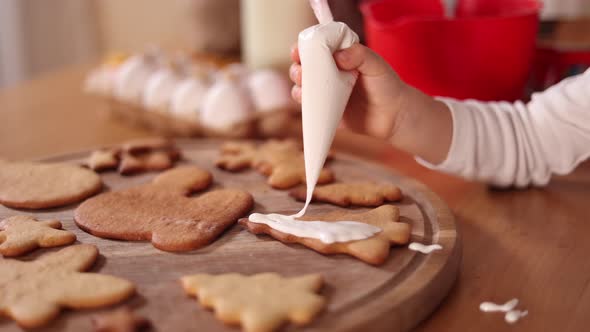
column 327, row 232
column 493, row 307
column 325, row 89
column 425, row 249
column 511, row 314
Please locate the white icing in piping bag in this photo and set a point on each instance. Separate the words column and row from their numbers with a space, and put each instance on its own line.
column 325, row 89
column 325, row 94
column 322, row 11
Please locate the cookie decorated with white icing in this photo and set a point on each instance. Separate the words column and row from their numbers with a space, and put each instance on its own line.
column 369, row 245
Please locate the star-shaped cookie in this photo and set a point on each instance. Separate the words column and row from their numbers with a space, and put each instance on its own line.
column 373, row 250
column 281, row 161
column 21, row 234
column 33, row 293
column 261, row 302
column 162, row 213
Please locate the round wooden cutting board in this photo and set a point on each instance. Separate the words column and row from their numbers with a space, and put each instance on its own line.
column 395, row 296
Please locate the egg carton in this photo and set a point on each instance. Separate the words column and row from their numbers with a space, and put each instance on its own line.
column 275, row 124
column 188, row 98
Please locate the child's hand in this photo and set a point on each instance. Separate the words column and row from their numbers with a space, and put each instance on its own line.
column 383, row 106
column 374, row 104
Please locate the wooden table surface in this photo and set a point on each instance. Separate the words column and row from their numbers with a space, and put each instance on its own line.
column 526, row 244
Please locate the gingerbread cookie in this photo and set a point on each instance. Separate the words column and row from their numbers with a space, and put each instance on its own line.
column 281, row 161
column 119, row 320
column 21, row 234
column 161, row 212
column 148, row 144
column 352, row 193
column 373, row 250
column 140, row 155
column 102, row 160
column 42, row 185
column 33, row 293
column 261, row 302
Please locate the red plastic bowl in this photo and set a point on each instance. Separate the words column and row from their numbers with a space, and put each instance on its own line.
column 485, row 52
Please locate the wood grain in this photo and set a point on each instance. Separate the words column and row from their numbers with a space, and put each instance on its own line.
column 531, row 244
column 399, row 293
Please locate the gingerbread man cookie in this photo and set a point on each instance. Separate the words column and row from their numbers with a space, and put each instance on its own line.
column 33, row 293
column 261, row 302
column 32, row 185
column 373, row 250
column 281, row 161
column 352, row 193
column 21, row 234
column 140, row 155
column 162, row 213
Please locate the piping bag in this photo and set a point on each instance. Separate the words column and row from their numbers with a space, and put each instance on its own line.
column 325, row 89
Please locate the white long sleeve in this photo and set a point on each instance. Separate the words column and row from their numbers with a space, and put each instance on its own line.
column 521, row 144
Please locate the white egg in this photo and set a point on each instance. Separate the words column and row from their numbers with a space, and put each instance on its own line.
column 270, row 90
column 132, row 77
column 226, row 104
column 101, row 80
column 160, row 87
column 187, row 99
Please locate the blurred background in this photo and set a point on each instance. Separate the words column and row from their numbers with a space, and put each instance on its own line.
column 41, row 36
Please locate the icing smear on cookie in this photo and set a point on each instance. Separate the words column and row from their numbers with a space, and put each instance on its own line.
column 327, row 232
column 326, row 91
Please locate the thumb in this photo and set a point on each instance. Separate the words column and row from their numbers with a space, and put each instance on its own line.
column 361, row 58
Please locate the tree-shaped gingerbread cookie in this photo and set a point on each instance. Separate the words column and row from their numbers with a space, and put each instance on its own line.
column 162, row 213
column 261, row 302
column 281, row 161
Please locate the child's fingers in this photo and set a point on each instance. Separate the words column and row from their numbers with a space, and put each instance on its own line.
column 295, row 54
column 295, row 73
column 361, row 58
column 296, row 93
